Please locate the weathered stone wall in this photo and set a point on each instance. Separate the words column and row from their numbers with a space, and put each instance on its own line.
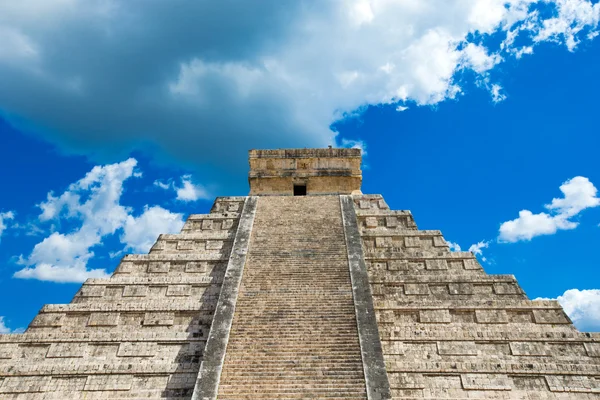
column 139, row 334
column 449, row 330
column 323, row 171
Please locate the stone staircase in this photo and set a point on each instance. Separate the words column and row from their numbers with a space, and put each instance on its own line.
column 294, row 333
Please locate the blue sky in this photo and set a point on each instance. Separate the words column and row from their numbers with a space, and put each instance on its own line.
column 117, row 121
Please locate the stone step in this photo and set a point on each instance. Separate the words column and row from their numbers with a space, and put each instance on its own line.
column 294, row 332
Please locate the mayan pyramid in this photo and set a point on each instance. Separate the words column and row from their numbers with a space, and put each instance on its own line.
column 305, row 289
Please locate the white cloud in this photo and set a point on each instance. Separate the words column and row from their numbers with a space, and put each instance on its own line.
column 530, row 225
column 401, row 108
column 453, row 246
column 478, row 247
column 583, row 307
column 186, row 191
column 355, row 144
column 116, row 253
column 579, row 194
column 163, row 185
column 496, row 92
column 5, row 329
column 477, row 58
column 140, row 233
column 189, row 191
column 93, row 203
column 572, row 18
column 271, row 74
column 5, row 216
column 28, row 228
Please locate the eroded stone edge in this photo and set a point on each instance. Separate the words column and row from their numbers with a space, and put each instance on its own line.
column 376, row 379
column 207, row 383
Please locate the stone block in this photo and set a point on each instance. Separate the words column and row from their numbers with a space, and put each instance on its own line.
column 227, row 224
column 436, row 264
column 207, row 224
column 471, row 264
column 137, row 349
column 103, row 351
column 214, row 244
column 392, row 347
column 66, row 384
column 412, row 241
column 406, row 381
column 520, row 316
column 179, row 290
column 158, row 319
column 160, row 245
column 592, row 349
column 435, row 316
column 196, row 266
column 438, row 241
column 181, row 381
column 460, row 288
column 506, row 288
column 491, row 316
column 486, row 382
column 364, row 204
column 113, row 292
column 457, row 348
column 550, row 317
column 483, row 291
column 104, row 319
column 25, row 384
column 186, row 245
column 397, row 265
column 233, row 207
column 159, row 267
column 416, row 289
column 391, row 222
column 67, row 350
column 567, row 349
column 529, row 349
column 371, row 222
column 135, row 291
column 108, row 382
column 145, row 382
column 572, row 384
column 383, row 242
column 450, row 384
column 535, row 384
column 126, row 267
column 34, row 352
column 8, row 351
column 48, row 320
column 91, row 291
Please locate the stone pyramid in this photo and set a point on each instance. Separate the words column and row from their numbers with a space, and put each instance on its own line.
column 305, row 289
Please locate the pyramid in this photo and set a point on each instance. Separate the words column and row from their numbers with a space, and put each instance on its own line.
column 305, row 289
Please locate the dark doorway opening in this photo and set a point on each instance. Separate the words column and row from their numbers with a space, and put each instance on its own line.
column 299, row 190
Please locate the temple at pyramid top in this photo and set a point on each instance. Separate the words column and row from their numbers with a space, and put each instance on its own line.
column 305, row 171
